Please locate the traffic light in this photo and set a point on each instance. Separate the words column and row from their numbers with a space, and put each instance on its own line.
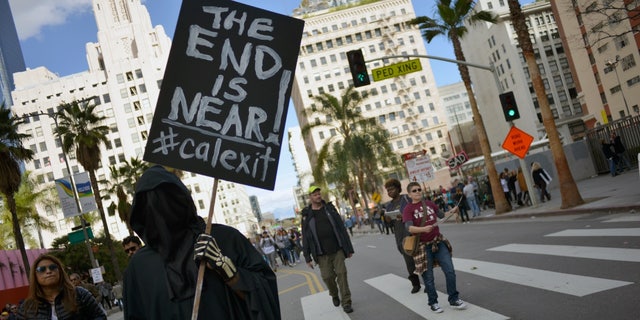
column 358, row 68
column 509, row 106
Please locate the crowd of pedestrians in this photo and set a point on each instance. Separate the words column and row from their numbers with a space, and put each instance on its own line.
column 283, row 245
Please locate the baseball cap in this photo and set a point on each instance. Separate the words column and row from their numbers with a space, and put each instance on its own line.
column 313, row 188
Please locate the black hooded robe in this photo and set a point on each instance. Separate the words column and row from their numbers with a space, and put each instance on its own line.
column 161, row 277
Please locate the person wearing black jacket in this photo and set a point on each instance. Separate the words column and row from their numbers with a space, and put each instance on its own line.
column 609, row 153
column 161, row 277
column 325, row 240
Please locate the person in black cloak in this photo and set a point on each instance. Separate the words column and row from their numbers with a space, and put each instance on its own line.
column 160, row 280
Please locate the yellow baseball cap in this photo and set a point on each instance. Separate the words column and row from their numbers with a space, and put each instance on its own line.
column 313, row 189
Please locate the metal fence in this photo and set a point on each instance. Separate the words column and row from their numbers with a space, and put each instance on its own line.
column 629, row 131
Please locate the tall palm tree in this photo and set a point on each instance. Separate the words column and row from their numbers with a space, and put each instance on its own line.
column 450, row 22
column 568, row 188
column 122, row 183
column 80, row 130
column 11, row 154
column 357, row 132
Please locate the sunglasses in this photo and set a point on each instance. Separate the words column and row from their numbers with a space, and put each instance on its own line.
column 130, row 250
column 43, row 269
column 416, row 190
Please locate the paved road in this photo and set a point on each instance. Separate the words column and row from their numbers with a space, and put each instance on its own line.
column 588, row 261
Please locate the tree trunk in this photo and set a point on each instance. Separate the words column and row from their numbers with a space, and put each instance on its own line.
column 499, row 199
column 17, row 233
column 568, row 188
column 96, row 193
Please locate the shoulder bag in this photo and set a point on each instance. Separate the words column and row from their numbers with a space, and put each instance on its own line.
column 411, row 242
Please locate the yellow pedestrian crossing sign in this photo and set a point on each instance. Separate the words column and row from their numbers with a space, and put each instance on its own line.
column 396, row 70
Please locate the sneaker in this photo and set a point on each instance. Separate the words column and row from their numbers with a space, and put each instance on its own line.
column 458, row 304
column 336, row 301
column 347, row 308
column 436, row 308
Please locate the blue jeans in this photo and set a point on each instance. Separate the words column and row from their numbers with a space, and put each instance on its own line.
column 473, row 205
column 444, row 258
column 612, row 166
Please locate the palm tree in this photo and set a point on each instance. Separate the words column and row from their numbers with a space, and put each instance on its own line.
column 11, row 154
column 359, row 135
column 80, row 130
column 450, row 22
column 568, row 188
column 122, row 183
column 26, row 198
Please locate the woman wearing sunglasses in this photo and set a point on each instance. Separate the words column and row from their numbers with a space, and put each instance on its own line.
column 53, row 296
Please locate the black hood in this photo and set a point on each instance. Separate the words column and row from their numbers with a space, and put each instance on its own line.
column 164, row 216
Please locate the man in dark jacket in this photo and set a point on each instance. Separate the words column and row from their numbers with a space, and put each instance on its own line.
column 619, row 149
column 610, row 155
column 395, row 207
column 160, row 280
column 326, row 241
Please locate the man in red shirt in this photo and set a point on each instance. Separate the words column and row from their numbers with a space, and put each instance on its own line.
column 433, row 246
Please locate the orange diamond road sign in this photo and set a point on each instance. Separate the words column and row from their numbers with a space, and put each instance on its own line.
column 517, row 142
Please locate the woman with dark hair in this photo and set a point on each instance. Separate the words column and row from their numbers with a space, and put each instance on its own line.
column 53, row 296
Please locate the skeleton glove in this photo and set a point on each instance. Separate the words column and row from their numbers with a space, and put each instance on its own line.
column 207, row 248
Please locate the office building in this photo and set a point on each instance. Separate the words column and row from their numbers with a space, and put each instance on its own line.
column 407, row 106
column 602, row 40
column 11, row 59
column 125, row 70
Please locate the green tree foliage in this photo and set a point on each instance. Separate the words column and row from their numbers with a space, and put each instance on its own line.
column 81, row 130
column 12, row 152
column 356, row 157
column 27, row 197
column 76, row 257
column 122, row 184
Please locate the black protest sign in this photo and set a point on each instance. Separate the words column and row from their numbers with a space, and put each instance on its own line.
column 223, row 102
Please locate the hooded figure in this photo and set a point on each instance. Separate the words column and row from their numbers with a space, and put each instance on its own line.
column 161, row 277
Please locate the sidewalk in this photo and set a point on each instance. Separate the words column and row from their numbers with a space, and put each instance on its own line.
column 602, row 193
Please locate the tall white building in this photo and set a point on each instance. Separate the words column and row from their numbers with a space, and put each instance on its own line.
column 407, row 106
column 126, row 67
column 302, row 167
column 602, row 41
column 497, row 45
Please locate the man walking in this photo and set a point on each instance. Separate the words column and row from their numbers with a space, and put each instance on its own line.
column 327, row 242
column 421, row 217
column 395, row 206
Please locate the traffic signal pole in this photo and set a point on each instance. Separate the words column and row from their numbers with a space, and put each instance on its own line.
column 525, row 170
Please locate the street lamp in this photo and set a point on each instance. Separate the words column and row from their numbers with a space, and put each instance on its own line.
column 614, row 65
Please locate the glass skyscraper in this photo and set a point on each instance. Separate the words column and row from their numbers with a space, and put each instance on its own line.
column 11, row 59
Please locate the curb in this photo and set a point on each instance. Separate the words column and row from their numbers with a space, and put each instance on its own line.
column 556, row 212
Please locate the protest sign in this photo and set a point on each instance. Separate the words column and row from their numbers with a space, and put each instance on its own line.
column 224, row 97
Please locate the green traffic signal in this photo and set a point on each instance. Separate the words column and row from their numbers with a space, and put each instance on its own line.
column 358, row 68
column 509, row 106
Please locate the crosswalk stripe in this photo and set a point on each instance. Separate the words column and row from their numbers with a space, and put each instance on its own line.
column 571, row 284
column 613, row 232
column 615, row 254
column 319, row 307
column 631, row 218
column 398, row 288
